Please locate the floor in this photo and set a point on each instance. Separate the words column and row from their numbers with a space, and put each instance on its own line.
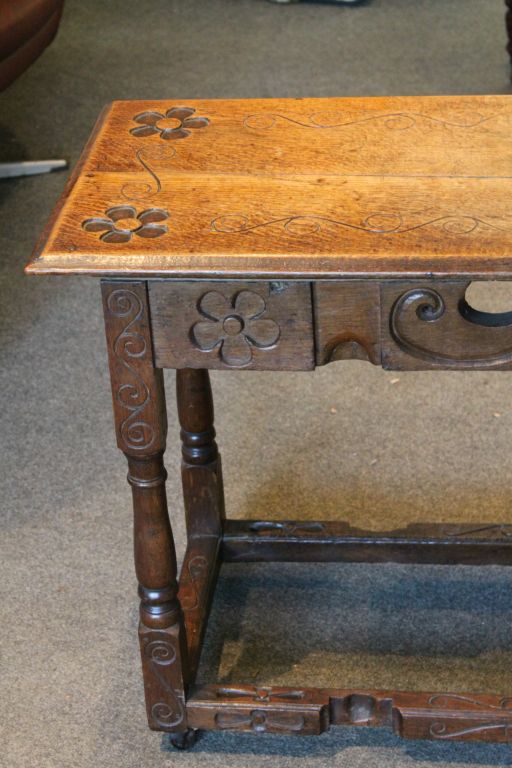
column 381, row 449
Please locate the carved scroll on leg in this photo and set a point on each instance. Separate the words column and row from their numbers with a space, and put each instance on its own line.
column 141, row 426
column 162, row 663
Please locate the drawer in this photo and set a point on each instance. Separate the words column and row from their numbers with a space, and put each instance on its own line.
column 253, row 325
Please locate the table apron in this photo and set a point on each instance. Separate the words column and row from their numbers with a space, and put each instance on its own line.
column 298, row 325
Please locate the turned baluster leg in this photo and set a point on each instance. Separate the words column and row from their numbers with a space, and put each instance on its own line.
column 201, row 468
column 141, row 427
column 203, row 498
column 508, row 22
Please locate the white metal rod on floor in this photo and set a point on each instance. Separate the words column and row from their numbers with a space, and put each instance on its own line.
column 30, row 167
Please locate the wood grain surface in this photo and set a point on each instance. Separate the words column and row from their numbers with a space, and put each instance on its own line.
column 290, row 188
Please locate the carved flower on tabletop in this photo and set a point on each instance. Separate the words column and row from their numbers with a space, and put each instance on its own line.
column 234, row 326
column 174, row 124
column 122, row 222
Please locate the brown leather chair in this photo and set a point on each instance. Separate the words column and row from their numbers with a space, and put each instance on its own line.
column 26, row 28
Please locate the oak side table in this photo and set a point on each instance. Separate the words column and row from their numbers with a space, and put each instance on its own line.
column 283, row 235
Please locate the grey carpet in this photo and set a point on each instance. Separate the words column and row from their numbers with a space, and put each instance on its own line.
column 399, row 448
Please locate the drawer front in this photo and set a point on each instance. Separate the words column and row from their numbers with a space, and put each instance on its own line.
column 232, row 325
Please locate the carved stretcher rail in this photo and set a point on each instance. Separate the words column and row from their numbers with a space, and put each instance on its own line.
column 309, row 711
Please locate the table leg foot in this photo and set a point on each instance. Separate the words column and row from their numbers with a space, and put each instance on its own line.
column 184, row 740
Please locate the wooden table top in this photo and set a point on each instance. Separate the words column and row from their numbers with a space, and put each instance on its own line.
column 290, row 188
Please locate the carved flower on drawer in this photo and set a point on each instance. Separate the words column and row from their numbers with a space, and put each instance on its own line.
column 122, row 222
column 234, row 326
column 174, row 124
